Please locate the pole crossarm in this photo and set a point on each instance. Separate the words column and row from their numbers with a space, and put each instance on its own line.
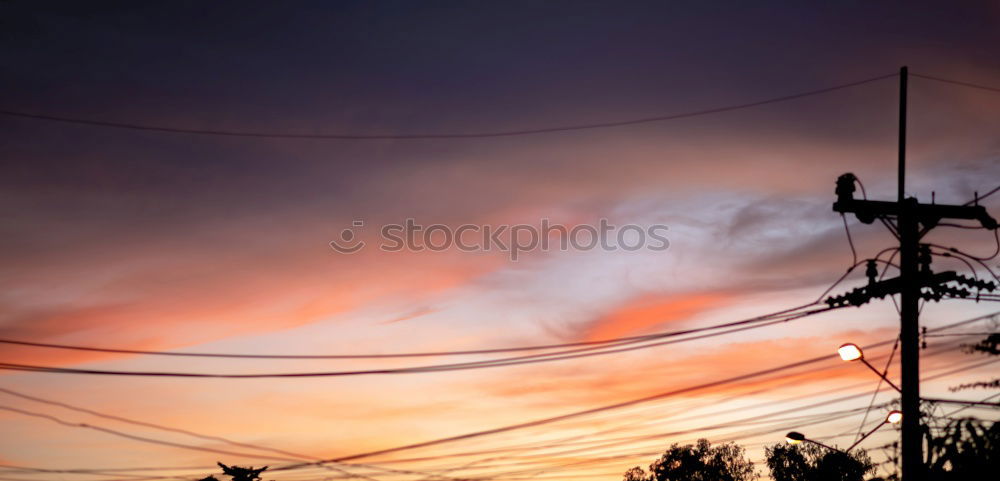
column 928, row 215
column 928, row 285
column 931, row 286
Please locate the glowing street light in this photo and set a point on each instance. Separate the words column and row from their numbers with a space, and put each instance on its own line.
column 851, row 352
column 894, row 417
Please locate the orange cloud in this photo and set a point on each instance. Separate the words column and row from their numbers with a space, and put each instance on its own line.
column 192, row 297
column 651, row 311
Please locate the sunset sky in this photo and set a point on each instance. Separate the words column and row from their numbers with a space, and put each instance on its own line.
column 151, row 240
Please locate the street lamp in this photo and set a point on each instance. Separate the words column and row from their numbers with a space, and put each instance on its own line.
column 894, row 417
column 851, row 352
column 796, row 437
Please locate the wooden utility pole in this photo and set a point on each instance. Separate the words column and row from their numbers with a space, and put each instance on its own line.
column 909, row 309
column 916, row 281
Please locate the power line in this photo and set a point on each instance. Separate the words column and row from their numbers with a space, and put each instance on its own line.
column 963, row 334
column 757, row 419
column 981, row 197
column 619, row 405
column 715, row 413
column 616, row 442
column 614, row 406
column 145, row 424
column 967, row 321
column 540, row 347
column 956, row 82
column 757, row 322
column 589, row 436
column 289, row 455
column 135, row 437
column 29, row 470
column 294, row 456
column 17, row 467
column 850, row 241
column 122, row 477
column 131, row 478
column 817, row 418
column 878, row 386
column 935, row 329
column 969, row 406
column 451, row 135
column 811, row 419
column 979, row 260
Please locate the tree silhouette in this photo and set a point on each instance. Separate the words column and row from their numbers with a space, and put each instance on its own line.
column 635, row 474
column 957, row 449
column 809, row 462
column 963, row 449
column 698, row 462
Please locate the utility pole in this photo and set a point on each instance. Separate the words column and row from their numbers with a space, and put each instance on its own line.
column 909, row 309
column 904, row 73
column 916, row 281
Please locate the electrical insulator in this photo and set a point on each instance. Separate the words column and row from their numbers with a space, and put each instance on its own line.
column 845, row 187
column 871, row 270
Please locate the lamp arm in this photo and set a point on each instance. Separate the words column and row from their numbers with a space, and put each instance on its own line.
column 869, row 433
column 879, row 374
